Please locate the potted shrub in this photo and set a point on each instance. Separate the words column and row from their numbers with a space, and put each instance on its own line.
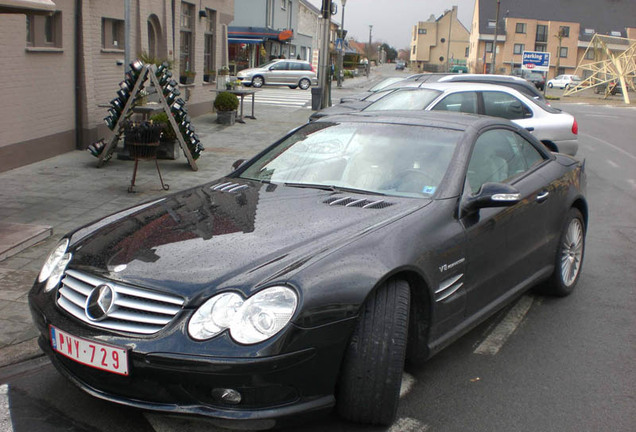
column 168, row 147
column 223, row 77
column 187, row 77
column 226, row 104
column 209, row 75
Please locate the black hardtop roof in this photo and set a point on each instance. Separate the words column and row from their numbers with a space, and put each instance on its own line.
column 441, row 119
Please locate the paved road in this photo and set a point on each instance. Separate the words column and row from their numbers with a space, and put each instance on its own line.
column 541, row 365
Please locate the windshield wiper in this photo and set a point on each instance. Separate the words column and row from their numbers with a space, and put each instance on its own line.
column 333, row 188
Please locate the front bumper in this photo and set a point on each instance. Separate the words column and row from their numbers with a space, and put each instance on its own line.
column 294, row 375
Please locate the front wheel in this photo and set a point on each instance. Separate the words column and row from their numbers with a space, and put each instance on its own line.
column 569, row 256
column 258, row 81
column 371, row 374
column 304, row 84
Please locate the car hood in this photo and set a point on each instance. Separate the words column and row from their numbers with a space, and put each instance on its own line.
column 231, row 233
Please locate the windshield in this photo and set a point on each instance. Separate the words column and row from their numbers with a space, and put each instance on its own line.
column 377, row 95
column 388, row 159
column 385, row 82
column 405, row 100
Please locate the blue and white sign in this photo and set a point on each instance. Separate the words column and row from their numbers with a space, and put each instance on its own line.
column 536, row 61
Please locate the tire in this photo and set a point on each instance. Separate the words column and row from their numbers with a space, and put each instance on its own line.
column 293, row 87
column 569, row 256
column 258, row 81
column 304, row 84
column 550, row 85
column 371, row 374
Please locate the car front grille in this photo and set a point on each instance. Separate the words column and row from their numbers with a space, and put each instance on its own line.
column 134, row 310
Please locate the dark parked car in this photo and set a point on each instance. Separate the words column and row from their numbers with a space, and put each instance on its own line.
column 303, row 280
column 400, row 65
column 536, row 78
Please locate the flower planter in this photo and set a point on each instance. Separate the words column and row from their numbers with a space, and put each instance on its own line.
column 226, row 117
column 168, row 149
column 186, row 79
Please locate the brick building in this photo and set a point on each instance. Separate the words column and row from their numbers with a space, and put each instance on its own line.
column 438, row 43
column 64, row 67
column 562, row 28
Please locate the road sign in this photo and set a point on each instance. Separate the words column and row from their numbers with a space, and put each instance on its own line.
column 339, row 44
column 536, row 61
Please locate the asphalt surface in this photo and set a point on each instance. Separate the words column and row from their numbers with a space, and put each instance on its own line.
column 567, row 364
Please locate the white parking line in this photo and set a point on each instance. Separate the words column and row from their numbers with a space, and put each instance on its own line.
column 5, row 413
column 632, row 182
column 612, row 163
column 408, row 425
column 408, row 381
column 497, row 338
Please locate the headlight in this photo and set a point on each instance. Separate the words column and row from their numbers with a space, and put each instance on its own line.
column 53, row 260
column 250, row 321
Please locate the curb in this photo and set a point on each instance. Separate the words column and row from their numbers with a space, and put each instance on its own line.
column 18, row 353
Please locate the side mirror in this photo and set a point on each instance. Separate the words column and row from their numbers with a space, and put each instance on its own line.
column 491, row 195
column 237, row 164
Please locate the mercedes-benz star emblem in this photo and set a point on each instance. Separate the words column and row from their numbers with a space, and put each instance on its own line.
column 100, row 303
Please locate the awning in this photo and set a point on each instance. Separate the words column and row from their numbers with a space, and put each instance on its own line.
column 27, row 6
column 244, row 40
column 263, row 33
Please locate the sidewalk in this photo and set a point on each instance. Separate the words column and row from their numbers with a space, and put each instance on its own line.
column 42, row 201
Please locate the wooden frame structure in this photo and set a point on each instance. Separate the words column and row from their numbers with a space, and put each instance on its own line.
column 609, row 65
column 146, row 73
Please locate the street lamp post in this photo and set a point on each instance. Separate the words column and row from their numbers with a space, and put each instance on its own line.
column 343, row 35
column 494, row 43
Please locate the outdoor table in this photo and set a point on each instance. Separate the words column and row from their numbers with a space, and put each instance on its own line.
column 242, row 93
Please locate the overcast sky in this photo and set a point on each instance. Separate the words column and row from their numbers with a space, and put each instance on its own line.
column 392, row 20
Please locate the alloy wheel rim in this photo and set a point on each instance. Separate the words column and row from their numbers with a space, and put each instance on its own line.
column 572, row 252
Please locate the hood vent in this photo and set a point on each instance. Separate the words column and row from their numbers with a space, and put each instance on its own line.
column 358, row 202
column 228, row 187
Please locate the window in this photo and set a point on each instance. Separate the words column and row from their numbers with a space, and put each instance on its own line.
column 44, row 31
column 519, row 48
column 542, row 33
column 466, row 52
column 290, row 16
column 564, row 31
column 465, row 102
column 488, row 47
column 520, row 28
column 186, row 52
column 500, row 155
column 589, row 54
column 564, row 52
column 491, row 23
column 280, row 66
column 540, row 47
column 209, row 47
column 112, row 33
column 283, row 4
column 413, row 50
column 616, row 33
column 421, row 31
column 589, row 31
column 270, row 13
column 500, row 104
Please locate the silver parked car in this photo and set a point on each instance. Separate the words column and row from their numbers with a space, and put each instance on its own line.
column 292, row 73
column 556, row 129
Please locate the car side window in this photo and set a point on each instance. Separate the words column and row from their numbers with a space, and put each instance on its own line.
column 296, row 66
column 500, row 155
column 280, row 66
column 504, row 105
column 465, row 102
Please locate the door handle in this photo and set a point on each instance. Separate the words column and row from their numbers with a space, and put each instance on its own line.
column 543, row 196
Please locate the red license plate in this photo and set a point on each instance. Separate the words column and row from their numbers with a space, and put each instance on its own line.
column 98, row 355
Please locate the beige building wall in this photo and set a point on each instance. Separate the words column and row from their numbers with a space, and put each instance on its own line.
column 38, row 103
column 41, row 120
column 433, row 48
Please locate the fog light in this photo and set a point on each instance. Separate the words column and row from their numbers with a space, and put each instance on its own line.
column 228, row 396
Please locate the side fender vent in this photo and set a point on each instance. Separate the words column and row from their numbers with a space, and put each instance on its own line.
column 357, row 202
column 228, row 187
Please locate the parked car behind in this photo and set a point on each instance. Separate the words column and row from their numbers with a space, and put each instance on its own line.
column 402, row 231
column 519, row 84
column 293, row 73
column 400, row 65
column 564, row 81
column 375, row 88
column 556, row 129
column 536, row 78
